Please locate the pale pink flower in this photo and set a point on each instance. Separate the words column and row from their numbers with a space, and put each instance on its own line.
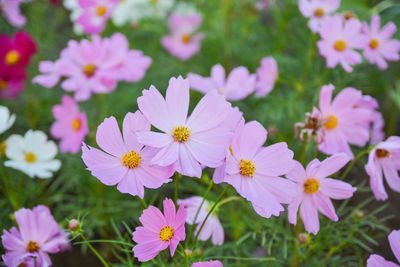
column 238, row 85
column 208, row 264
column 95, row 14
column 378, row 261
column 212, row 227
column 94, row 66
column 339, row 39
column 12, row 12
column 317, row 11
column 381, row 46
column 315, row 191
column 183, row 41
column 70, row 125
column 37, row 236
column 125, row 161
column 267, row 74
column 384, row 161
column 376, row 122
column 187, row 143
column 159, row 231
column 255, row 171
column 262, row 4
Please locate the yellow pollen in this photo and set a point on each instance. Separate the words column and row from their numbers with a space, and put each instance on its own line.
column 311, row 186
column 331, row 122
column 32, row 247
column 76, row 124
column 340, row 45
column 348, row 15
column 166, row 233
column 131, row 159
column 3, row 85
column 247, row 168
column 3, row 147
column 30, row 157
column 12, row 57
column 89, row 70
column 181, row 134
column 231, row 150
column 382, row 153
column 319, row 12
column 186, row 38
column 101, row 10
column 374, row 44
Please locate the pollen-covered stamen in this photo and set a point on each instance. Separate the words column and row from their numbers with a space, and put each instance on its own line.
column 311, row 186
column 166, row 233
column 89, row 70
column 12, row 57
column 374, row 44
column 331, row 122
column 186, row 38
column 101, row 10
column 382, row 153
column 319, row 12
column 32, row 247
column 3, row 85
column 340, row 45
column 30, row 157
column 181, row 134
column 76, row 124
column 131, row 159
column 247, row 168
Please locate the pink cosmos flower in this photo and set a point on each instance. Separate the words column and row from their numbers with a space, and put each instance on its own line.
column 267, row 74
column 125, row 161
column 378, row 261
column 159, row 231
column 339, row 39
column 238, row 85
column 381, row 46
column 212, row 227
column 315, row 191
column 255, row 171
column 12, row 12
column 376, row 122
column 208, row 264
column 187, row 143
column 38, row 235
column 70, row 125
column 262, row 4
column 95, row 14
column 384, row 161
column 183, row 42
column 317, row 11
column 11, row 82
column 94, row 66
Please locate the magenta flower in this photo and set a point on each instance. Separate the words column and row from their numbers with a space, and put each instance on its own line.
column 12, row 12
column 159, row 231
column 208, row 264
column 317, row 11
column 381, row 46
column 183, row 41
column 125, row 161
column 37, row 236
column 187, row 143
column 315, row 191
column 94, row 66
column 212, row 227
column 11, row 82
column 70, row 125
column 378, row 261
column 384, row 161
column 267, row 74
column 255, row 171
column 238, row 85
column 95, row 14
column 339, row 39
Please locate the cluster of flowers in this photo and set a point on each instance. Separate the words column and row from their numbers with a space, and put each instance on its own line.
column 342, row 34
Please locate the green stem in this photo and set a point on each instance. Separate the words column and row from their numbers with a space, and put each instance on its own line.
column 184, row 255
column 177, row 176
column 353, row 162
column 95, row 252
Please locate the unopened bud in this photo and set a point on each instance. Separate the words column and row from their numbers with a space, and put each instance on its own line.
column 188, row 252
column 73, row 225
column 303, row 238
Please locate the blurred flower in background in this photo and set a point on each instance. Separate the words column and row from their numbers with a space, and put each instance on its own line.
column 6, row 119
column 267, row 74
column 11, row 11
column 95, row 14
column 317, row 11
column 378, row 261
column 208, row 264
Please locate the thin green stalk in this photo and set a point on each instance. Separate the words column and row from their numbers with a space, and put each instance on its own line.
column 95, row 252
column 184, row 255
column 177, row 178
column 353, row 162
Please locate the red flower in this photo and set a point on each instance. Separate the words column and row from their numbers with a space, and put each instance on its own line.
column 16, row 51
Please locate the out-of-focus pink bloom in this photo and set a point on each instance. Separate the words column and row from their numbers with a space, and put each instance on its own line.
column 183, row 42
column 11, row 82
column 70, row 125
column 339, row 39
column 381, row 46
column 315, row 191
column 378, row 261
column 12, row 12
column 159, row 231
column 95, row 14
column 187, row 143
column 212, row 227
column 376, row 123
column 267, row 74
column 317, row 11
column 94, row 66
column 208, row 264
column 238, row 85
column 255, row 171
column 38, row 235
column 384, row 161
column 125, row 161
column 262, row 4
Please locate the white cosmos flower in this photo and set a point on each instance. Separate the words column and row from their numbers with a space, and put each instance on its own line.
column 73, row 6
column 6, row 119
column 32, row 154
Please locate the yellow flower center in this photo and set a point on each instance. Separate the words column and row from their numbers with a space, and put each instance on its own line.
column 331, row 122
column 166, row 233
column 30, row 157
column 76, row 124
column 374, row 44
column 12, row 57
column 181, row 134
column 131, row 159
column 340, row 45
column 32, row 247
column 319, row 12
column 348, row 15
column 231, row 150
column 3, row 85
column 101, row 10
column 186, row 38
column 382, row 153
column 153, row 2
column 3, row 147
column 89, row 70
column 247, row 168
column 311, row 186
